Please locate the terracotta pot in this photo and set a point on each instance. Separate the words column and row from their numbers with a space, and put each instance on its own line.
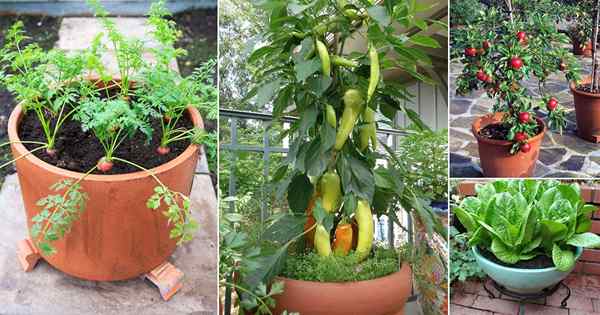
column 117, row 237
column 495, row 157
column 382, row 296
column 587, row 113
column 582, row 50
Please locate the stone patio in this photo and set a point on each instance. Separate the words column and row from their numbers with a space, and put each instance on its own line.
column 46, row 290
column 562, row 156
column 470, row 298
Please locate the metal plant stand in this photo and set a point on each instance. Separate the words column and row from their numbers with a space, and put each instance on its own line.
column 523, row 297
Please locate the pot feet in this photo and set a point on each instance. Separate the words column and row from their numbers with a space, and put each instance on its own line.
column 167, row 278
column 28, row 254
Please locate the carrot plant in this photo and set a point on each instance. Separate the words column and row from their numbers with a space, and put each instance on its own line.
column 45, row 83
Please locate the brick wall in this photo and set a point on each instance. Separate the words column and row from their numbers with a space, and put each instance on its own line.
column 589, row 263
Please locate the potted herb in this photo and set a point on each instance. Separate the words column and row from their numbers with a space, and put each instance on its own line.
column 94, row 153
column 586, row 93
column 502, row 51
column 330, row 178
column 527, row 234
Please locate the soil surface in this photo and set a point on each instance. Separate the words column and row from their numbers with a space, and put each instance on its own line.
column 586, row 88
column 494, row 131
column 539, row 262
column 42, row 30
column 80, row 151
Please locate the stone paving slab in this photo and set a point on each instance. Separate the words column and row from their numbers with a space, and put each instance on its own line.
column 561, row 156
column 470, row 298
column 46, row 290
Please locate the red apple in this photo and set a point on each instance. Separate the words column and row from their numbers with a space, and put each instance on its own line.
column 525, row 147
column 552, row 104
column 470, row 52
column 516, row 63
column 486, row 44
column 562, row 66
column 521, row 36
column 481, row 75
column 520, row 136
column 524, row 117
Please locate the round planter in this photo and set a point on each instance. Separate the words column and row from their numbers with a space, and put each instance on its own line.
column 587, row 113
column 382, row 296
column 495, row 157
column 527, row 281
column 582, row 50
column 117, row 237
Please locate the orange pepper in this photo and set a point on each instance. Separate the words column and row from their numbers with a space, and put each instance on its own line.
column 310, row 221
column 343, row 239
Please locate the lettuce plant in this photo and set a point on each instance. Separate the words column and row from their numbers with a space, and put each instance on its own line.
column 520, row 219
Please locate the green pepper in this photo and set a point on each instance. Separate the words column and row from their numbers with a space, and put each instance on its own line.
column 322, row 243
column 331, row 191
column 324, row 56
column 374, row 78
column 364, row 219
column 343, row 62
column 368, row 131
column 353, row 106
column 330, row 116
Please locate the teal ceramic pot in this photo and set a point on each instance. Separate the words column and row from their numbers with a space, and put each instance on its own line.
column 518, row 280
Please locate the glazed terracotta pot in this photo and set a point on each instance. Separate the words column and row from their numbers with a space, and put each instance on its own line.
column 117, row 237
column 495, row 157
column 382, row 296
column 587, row 113
column 582, row 50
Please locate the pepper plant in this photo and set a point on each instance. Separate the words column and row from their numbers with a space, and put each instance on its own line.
column 339, row 96
column 500, row 52
column 78, row 87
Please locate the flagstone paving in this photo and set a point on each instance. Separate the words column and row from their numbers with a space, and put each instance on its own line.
column 564, row 156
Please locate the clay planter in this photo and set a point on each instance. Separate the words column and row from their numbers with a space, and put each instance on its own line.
column 117, row 237
column 382, row 296
column 582, row 50
column 587, row 113
column 496, row 160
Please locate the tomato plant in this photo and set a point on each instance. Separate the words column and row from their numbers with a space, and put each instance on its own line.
column 504, row 49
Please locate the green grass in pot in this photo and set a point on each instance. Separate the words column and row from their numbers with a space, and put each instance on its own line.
column 518, row 220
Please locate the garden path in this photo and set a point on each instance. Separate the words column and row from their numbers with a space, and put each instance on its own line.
column 564, row 156
column 46, row 290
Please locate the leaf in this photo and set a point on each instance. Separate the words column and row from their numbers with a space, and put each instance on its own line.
column 285, row 228
column 586, row 240
column 563, row 260
column 268, row 266
column 319, row 84
column 266, row 92
column 380, row 15
column 503, row 253
column 327, row 137
column 299, row 193
column 304, row 69
column 424, row 41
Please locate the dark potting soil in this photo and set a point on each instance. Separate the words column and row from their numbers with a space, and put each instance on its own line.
column 80, row 151
column 538, row 262
column 587, row 89
column 496, row 132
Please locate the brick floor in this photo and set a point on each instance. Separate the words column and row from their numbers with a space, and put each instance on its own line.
column 471, row 298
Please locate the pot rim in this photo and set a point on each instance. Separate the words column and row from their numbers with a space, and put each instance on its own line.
column 574, row 90
column 497, row 116
column 13, row 135
column 403, row 269
column 579, row 251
